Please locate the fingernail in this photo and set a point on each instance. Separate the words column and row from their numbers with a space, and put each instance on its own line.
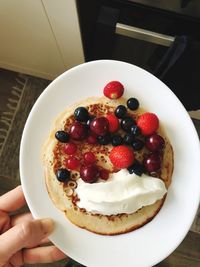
column 48, row 225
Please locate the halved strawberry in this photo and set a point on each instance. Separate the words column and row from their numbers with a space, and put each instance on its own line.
column 113, row 90
column 122, row 156
column 148, row 123
column 113, row 123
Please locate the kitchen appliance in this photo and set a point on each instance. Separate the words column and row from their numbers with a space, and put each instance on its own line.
column 159, row 36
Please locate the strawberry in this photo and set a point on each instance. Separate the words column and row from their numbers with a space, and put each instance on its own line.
column 122, row 156
column 113, row 90
column 113, row 123
column 148, row 123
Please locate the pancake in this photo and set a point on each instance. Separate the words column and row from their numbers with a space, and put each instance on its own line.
column 64, row 196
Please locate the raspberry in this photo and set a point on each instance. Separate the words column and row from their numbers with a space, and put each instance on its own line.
column 113, row 90
column 113, row 123
column 122, row 156
column 148, row 123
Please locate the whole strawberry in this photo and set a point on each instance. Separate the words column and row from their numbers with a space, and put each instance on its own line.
column 122, row 156
column 113, row 90
column 148, row 123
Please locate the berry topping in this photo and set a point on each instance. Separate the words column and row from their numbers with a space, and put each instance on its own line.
column 113, row 123
column 137, row 144
column 113, row 90
column 63, row 175
column 117, row 140
column 99, row 126
column 92, row 139
column 148, row 123
column 155, row 142
column 89, row 120
column 128, row 139
column 70, row 148
column 62, row 136
column 104, row 140
column 89, row 157
column 132, row 103
column 136, row 168
column 81, row 114
column 78, row 131
column 122, row 156
column 104, row 174
column 120, row 111
column 152, row 162
column 135, row 130
column 127, row 123
column 89, row 174
column 72, row 163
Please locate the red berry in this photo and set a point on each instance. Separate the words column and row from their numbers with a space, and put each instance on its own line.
column 113, row 123
column 70, row 148
column 89, row 157
column 122, row 156
column 92, row 139
column 113, row 90
column 89, row 174
column 99, row 126
column 148, row 123
column 152, row 162
column 72, row 163
column 78, row 131
column 104, row 174
column 155, row 142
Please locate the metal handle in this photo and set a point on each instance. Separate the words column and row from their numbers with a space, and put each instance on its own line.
column 145, row 35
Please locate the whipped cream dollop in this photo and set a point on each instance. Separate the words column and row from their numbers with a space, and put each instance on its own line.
column 121, row 193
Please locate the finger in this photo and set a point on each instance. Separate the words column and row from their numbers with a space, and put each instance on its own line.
column 42, row 255
column 23, row 235
column 12, row 200
column 20, row 218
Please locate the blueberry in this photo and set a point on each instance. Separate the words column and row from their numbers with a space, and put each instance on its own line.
column 117, row 140
column 128, row 139
column 132, row 103
column 63, row 175
column 136, row 168
column 120, row 111
column 135, row 130
column 137, row 144
column 62, row 136
column 104, row 140
column 127, row 123
column 81, row 114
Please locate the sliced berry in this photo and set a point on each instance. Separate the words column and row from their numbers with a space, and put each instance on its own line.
column 99, row 126
column 148, row 123
column 62, row 136
column 89, row 157
column 72, row 163
column 136, row 168
column 132, row 103
column 70, row 148
column 63, row 175
column 122, row 156
column 113, row 123
column 81, row 114
column 120, row 111
column 89, row 174
column 137, row 144
column 117, row 140
column 135, row 130
column 127, row 123
column 113, row 90
column 104, row 140
column 152, row 162
column 78, row 131
column 128, row 139
column 155, row 142
column 104, row 174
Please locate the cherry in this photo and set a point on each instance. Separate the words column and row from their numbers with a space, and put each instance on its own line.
column 89, row 174
column 152, row 162
column 78, row 131
column 155, row 142
column 72, row 163
column 89, row 157
column 70, row 148
column 99, row 126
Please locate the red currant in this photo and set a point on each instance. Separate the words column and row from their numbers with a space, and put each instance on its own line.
column 72, row 163
column 89, row 174
column 89, row 158
column 78, row 131
column 92, row 139
column 70, row 148
column 99, row 126
column 155, row 142
column 104, row 174
column 152, row 162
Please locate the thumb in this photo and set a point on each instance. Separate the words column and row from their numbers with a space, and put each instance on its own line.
column 23, row 235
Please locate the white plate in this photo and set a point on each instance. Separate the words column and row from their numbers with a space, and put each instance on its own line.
column 156, row 240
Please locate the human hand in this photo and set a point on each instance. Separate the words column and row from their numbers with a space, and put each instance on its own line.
column 21, row 236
